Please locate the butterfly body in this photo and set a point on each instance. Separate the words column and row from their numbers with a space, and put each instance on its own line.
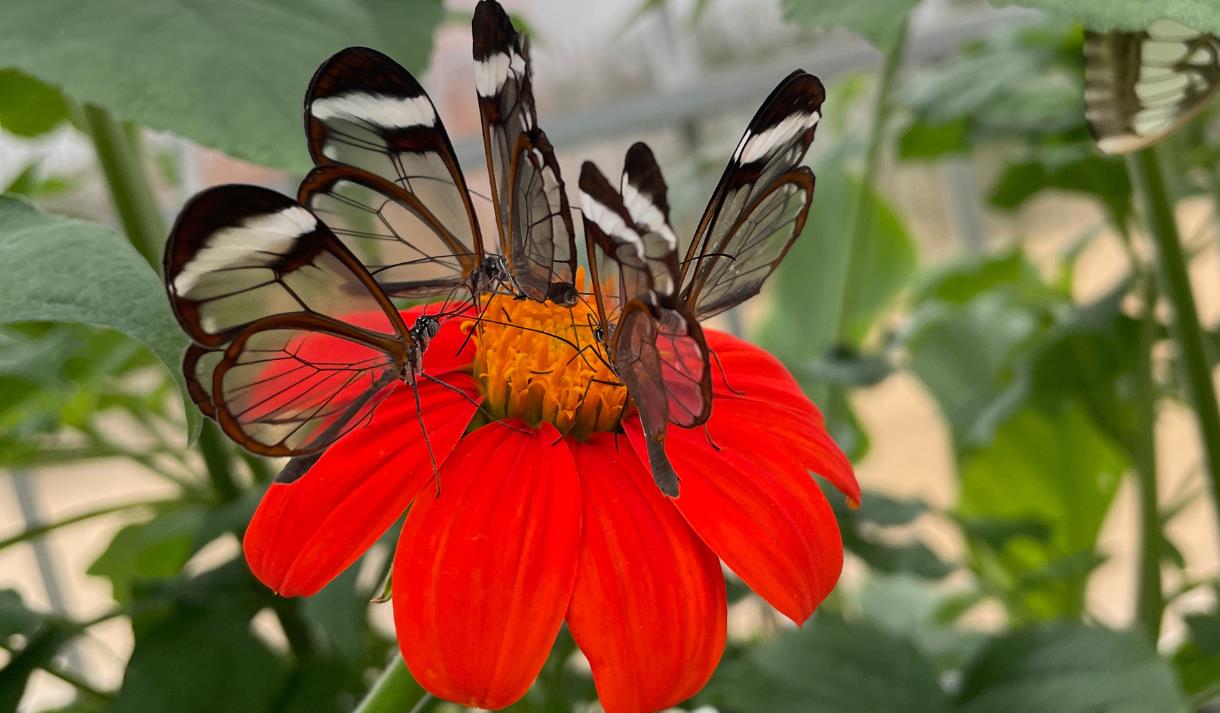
column 649, row 303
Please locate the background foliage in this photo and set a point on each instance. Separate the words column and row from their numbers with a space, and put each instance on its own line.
column 1051, row 402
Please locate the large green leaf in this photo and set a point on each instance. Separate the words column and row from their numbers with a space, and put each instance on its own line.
column 801, row 327
column 1052, row 467
column 1129, row 14
column 58, row 269
column 877, row 21
column 1069, row 668
column 829, row 666
column 229, row 74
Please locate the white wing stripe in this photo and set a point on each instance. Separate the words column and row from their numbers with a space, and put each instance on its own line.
column 759, row 146
column 378, row 109
column 259, row 240
column 610, row 223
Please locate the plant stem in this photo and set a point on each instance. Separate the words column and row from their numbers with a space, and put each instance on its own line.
column 130, row 189
column 1175, row 283
column 219, row 466
column 1150, row 597
column 41, row 530
column 395, row 691
column 862, row 219
column 296, row 630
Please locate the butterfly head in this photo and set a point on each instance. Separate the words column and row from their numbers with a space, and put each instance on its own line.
column 563, row 293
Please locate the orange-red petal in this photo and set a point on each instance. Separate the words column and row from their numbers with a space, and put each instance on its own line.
column 484, row 572
column 746, row 487
column 648, row 609
column 307, row 531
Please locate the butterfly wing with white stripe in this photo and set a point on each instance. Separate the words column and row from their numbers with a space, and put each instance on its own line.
column 618, row 268
column 531, row 206
column 294, row 341
column 388, row 181
column 759, row 207
column 1142, row 86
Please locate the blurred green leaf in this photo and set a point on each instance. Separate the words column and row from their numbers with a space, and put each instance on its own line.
column 1052, row 467
column 829, row 666
column 338, row 615
column 29, row 107
column 877, row 21
column 40, row 638
column 961, row 281
column 201, row 659
column 968, row 355
column 861, row 529
column 229, row 74
column 1198, row 659
column 1078, row 170
column 1128, row 14
column 921, row 140
column 15, row 618
column 156, row 549
column 1069, row 668
column 64, row 270
column 799, row 328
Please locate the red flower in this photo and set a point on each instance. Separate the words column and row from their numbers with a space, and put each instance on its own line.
column 532, row 529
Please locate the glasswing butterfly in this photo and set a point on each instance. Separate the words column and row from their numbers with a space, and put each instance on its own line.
column 1142, row 86
column 649, row 304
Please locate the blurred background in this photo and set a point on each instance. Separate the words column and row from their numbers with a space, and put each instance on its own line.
column 967, row 305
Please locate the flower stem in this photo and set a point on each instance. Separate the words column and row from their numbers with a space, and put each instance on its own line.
column 1175, row 283
column 862, row 219
column 130, row 190
column 1150, row 597
column 395, row 691
column 216, row 459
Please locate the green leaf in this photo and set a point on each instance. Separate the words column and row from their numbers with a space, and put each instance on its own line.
column 1069, row 668
column 64, row 270
column 229, row 74
column 1078, row 170
column 201, row 659
column 1052, row 467
column 829, row 666
column 877, row 21
column 800, row 327
column 923, row 140
column 29, row 107
column 156, row 549
column 15, row 618
column 1128, row 14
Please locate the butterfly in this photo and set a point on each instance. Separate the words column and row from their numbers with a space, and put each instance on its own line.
column 649, row 303
column 266, row 286
column 293, row 341
column 1142, row 86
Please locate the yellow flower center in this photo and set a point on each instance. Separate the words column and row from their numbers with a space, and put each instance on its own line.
column 539, row 362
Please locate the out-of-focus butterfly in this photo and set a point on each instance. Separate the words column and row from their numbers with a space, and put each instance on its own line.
column 1142, row 86
column 294, row 342
column 649, row 304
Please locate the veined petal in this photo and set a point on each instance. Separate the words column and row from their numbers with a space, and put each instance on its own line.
column 772, row 526
column 746, row 487
column 760, row 410
column 305, row 532
column 648, row 609
column 484, row 572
